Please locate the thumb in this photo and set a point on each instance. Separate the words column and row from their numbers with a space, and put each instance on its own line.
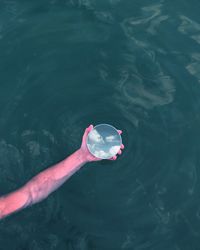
column 87, row 130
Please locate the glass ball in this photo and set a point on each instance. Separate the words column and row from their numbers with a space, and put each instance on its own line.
column 104, row 141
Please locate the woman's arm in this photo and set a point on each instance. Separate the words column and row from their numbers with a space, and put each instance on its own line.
column 13, row 202
column 40, row 186
column 52, row 178
column 46, row 182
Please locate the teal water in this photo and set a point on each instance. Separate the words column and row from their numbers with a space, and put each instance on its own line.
column 133, row 64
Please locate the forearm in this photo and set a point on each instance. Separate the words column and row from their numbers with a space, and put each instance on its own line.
column 49, row 180
column 40, row 186
column 13, row 202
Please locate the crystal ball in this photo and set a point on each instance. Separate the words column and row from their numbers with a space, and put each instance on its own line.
column 104, row 141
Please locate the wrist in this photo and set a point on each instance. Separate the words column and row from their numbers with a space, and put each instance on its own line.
column 81, row 156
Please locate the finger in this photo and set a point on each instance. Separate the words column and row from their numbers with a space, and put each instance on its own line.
column 87, row 130
column 119, row 131
column 90, row 127
column 119, row 152
column 113, row 158
column 122, row 146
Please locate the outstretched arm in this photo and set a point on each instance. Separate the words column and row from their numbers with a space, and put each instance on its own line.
column 46, row 182
column 40, row 186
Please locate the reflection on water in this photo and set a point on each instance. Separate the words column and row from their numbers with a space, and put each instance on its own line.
column 133, row 64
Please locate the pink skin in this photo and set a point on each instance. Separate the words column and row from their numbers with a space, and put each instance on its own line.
column 47, row 181
column 86, row 153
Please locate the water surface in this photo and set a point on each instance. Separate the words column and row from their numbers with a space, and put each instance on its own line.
column 133, row 64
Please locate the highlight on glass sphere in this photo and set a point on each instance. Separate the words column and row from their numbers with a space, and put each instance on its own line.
column 104, row 141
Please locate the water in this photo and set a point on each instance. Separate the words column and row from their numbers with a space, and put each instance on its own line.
column 133, row 64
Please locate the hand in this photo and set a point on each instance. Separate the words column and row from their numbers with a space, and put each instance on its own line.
column 86, row 153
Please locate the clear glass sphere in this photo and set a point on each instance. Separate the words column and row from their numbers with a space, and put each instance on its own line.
column 104, row 141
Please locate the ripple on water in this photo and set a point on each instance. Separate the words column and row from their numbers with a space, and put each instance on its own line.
column 11, row 166
column 143, row 87
column 188, row 26
column 137, row 28
column 142, row 189
column 194, row 66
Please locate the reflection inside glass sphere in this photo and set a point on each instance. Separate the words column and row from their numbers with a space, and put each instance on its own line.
column 104, row 141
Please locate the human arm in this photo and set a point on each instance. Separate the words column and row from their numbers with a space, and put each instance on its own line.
column 46, row 182
column 40, row 186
